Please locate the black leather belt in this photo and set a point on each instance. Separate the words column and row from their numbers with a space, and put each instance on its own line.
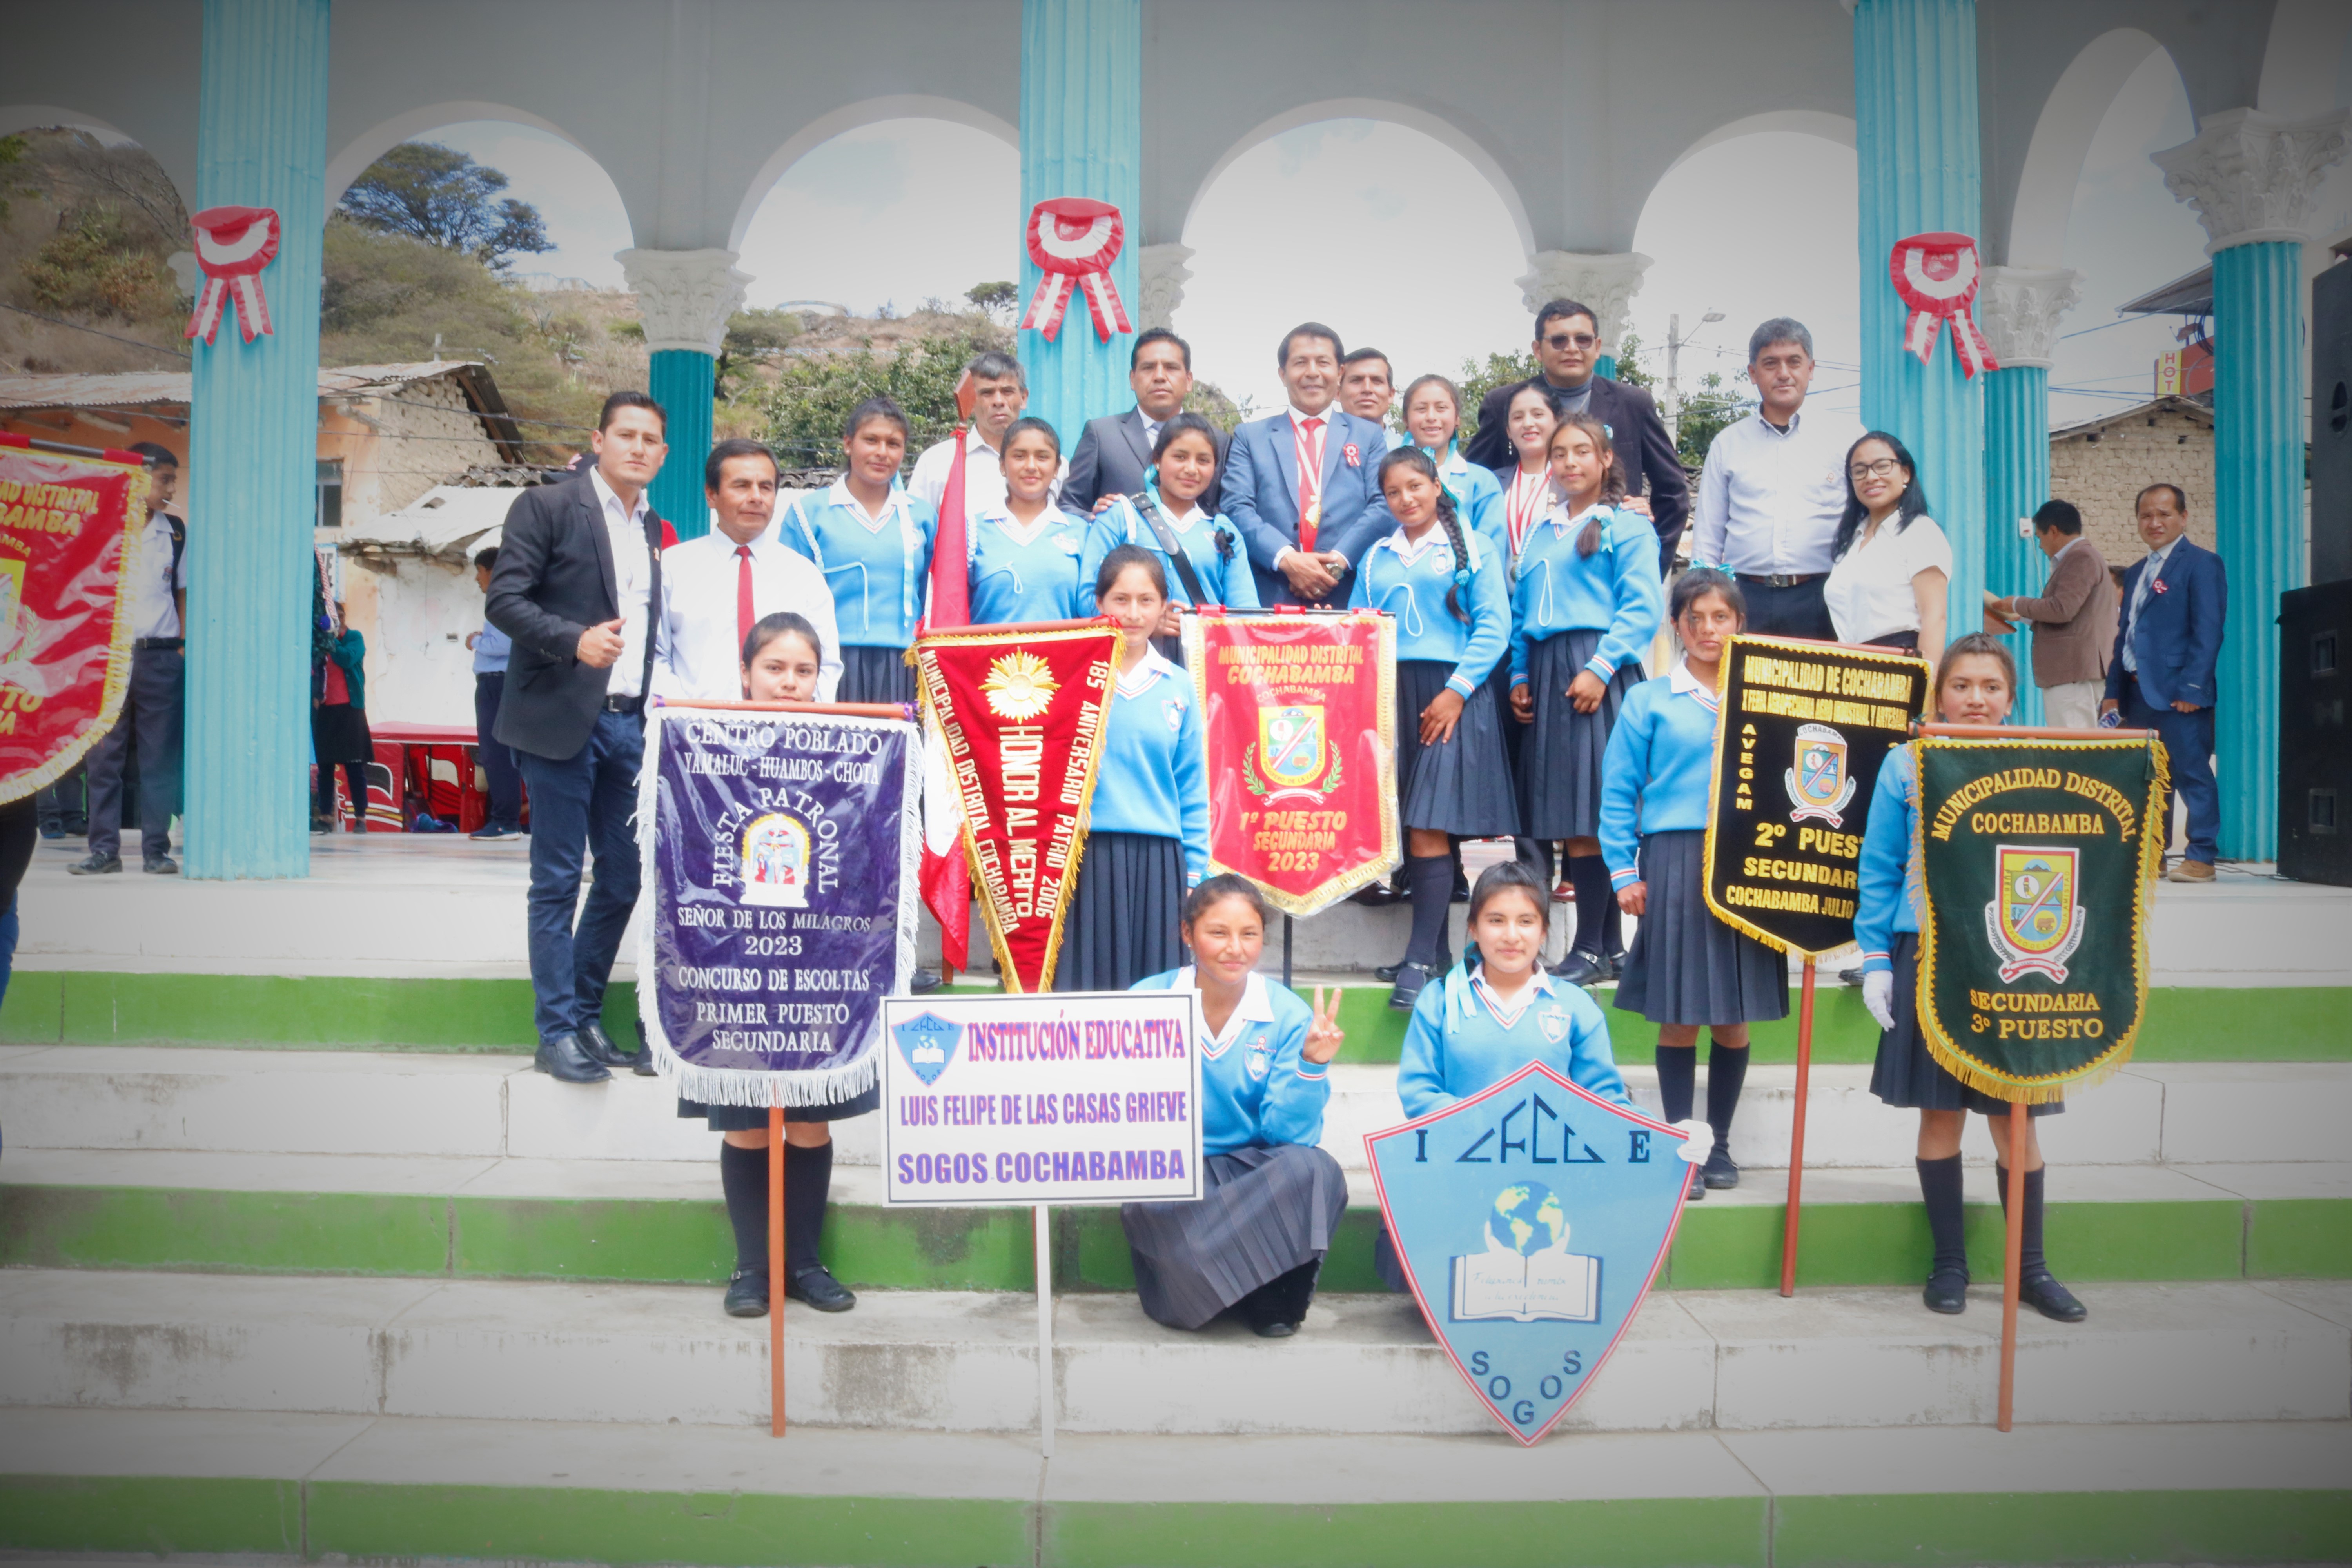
column 625, row 704
column 1777, row 579
column 145, row 645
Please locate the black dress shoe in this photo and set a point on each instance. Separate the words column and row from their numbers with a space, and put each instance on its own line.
column 1406, row 992
column 97, row 866
column 563, row 1059
column 747, row 1294
column 1274, row 1331
column 1582, row 968
column 2046, row 1296
column 642, row 1063
column 816, row 1285
column 598, row 1045
column 160, row 865
column 1947, row 1291
column 1389, row 972
column 1719, row 1172
column 1697, row 1188
column 924, row 982
column 1461, row 887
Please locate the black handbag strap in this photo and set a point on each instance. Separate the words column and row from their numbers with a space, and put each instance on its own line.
column 1149, row 509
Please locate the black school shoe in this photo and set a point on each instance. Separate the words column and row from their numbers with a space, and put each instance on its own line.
column 747, row 1294
column 160, row 865
column 1947, row 1291
column 97, row 866
column 1719, row 1172
column 1389, row 972
column 816, row 1285
column 1410, row 979
column 1697, row 1188
column 2046, row 1296
column 1584, row 968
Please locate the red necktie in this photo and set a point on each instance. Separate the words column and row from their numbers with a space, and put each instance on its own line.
column 1310, row 481
column 744, row 615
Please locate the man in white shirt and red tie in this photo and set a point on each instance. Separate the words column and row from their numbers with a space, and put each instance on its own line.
column 715, row 588
column 1303, row 485
column 1000, row 391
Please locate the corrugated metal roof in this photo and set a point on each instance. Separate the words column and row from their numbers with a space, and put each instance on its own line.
column 444, row 520
column 2190, row 406
column 145, row 389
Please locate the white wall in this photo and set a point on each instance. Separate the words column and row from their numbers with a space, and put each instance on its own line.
column 415, row 615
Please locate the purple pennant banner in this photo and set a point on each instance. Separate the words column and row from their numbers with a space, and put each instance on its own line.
column 782, row 850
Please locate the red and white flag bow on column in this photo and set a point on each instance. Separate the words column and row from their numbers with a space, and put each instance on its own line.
column 233, row 245
column 1937, row 275
column 1076, row 239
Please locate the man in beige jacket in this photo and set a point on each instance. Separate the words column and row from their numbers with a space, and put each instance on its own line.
column 2074, row 620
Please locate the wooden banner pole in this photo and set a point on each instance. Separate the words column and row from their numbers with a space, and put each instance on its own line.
column 776, row 1271
column 1797, row 1134
column 2012, row 1259
column 1045, row 1241
column 1286, row 953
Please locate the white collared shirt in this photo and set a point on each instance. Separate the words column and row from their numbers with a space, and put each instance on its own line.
column 153, row 612
column 1318, row 444
column 1539, row 983
column 696, row 654
column 1768, row 500
column 983, row 475
column 632, row 575
column 1256, row 1006
column 1000, row 516
column 1683, row 683
column 1870, row 594
column 2140, row 591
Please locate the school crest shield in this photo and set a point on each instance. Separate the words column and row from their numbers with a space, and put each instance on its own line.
column 1291, row 746
column 1819, row 785
column 2033, row 921
column 928, row 1042
column 1531, row 1220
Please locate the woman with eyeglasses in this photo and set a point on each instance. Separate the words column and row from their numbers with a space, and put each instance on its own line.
column 1891, row 562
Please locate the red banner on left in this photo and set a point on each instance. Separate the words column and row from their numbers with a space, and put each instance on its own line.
column 67, row 534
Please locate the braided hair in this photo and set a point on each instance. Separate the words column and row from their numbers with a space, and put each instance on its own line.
column 1415, row 458
column 1613, row 477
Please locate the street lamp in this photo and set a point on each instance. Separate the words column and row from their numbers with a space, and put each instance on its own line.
column 1674, row 342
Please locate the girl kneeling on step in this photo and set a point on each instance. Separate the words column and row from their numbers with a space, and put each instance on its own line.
column 1254, row 1241
column 1975, row 684
column 780, row 661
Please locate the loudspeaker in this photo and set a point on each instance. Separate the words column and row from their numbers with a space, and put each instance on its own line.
column 2331, row 424
column 2314, row 841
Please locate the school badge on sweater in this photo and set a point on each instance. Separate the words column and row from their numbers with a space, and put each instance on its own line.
column 1531, row 1220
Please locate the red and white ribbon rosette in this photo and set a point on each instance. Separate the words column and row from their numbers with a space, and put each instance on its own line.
column 1075, row 239
column 1937, row 275
column 233, row 245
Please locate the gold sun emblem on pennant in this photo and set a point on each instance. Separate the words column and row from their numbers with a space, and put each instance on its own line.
column 1020, row 685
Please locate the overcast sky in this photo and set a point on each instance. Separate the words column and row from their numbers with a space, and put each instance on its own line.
column 1428, row 272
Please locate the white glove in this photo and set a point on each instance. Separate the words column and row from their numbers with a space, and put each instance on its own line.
column 1693, row 1149
column 1878, row 995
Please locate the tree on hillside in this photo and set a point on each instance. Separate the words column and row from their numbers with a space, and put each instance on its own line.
column 443, row 197
column 807, row 404
column 995, row 301
column 1476, row 381
column 1706, row 413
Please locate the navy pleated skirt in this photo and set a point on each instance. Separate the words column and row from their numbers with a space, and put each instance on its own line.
column 1559, row 764
column 1685, row 966
column 750, row 1117
column 1262, row 1212
column 875, row 675
column 1461, row 786
column 1905, row 1074
column 1125, row 921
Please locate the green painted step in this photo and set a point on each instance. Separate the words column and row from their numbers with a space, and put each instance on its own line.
column 92, row 1008
column 1719, row 1246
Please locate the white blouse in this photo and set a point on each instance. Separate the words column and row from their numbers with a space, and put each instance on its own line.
column 1869, row 591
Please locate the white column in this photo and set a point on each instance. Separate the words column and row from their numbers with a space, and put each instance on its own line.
column 1164, row 276
column 1606, row 283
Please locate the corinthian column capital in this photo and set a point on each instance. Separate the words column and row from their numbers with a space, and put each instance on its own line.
column 2019, row 307
column 2250, row 176
column 1607, row 283
column 686, row 296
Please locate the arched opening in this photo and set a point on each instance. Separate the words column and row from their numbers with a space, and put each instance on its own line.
column 88, row 224
column 1756, row 219
column 1395, row 237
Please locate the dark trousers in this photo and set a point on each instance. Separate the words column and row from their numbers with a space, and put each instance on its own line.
column 1798, row 611
column 581, row 806
column 2188, row 741
column 355, row 779
column 63, row 806
column 151, row 712
column 498, row 758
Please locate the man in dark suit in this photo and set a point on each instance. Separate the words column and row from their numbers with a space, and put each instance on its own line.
column 1568, row 351
column 579, row 571
column 1113, row 451
column 2161, row 678
column 1307, row 523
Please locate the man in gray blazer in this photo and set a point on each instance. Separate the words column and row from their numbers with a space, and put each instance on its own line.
column 1114, row 451
column 2074, row 620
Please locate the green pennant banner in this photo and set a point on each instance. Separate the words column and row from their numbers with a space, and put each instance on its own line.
column 2038, row 857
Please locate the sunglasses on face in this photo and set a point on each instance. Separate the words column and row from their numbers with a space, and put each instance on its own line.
column 1570, row 340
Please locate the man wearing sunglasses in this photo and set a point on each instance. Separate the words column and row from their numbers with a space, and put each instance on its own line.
column 1567, row 350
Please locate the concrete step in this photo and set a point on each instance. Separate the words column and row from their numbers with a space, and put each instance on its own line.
column 269, row 1101
column 966, row 1361
column 287, row 1490
column 663, row 1222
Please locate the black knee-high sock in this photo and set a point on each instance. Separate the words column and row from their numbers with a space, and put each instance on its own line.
column 1283, row 1298
column 1726, row 1069
column 1589, row 875
column 743, row 1177
column 1940, row 1186
column 808, row 1180
column 1613, row 923
column 2031, row 1262
column 1431, row 880
column 1535, row 855
column 1678, row 1080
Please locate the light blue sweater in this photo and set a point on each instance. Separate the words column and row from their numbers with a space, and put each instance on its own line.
column 1653, row 777
column 1411, row 580
column 1225, row 578
column 879, row 571
column 1256, row 1091
column 1614, row 591
column 1152, row 779
column 1036, row 581
column 1459, row 1042
column 1894, row 890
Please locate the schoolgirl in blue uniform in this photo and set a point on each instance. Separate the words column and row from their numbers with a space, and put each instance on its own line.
column 1975, row 684
column 1496, row 1012
column 1444, row 585
column 1271, row 1199
column 1433, row 415
column 873, row 540
column 1585, row 607
column 1147, row 839
column 782, row 658
column 1026, row 553
column 1184, row 466
column 1687, row 968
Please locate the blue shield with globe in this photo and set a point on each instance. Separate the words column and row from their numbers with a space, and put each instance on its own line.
column 1530, row 1219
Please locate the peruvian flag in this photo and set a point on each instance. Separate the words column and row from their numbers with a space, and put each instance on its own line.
column 946, row 878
